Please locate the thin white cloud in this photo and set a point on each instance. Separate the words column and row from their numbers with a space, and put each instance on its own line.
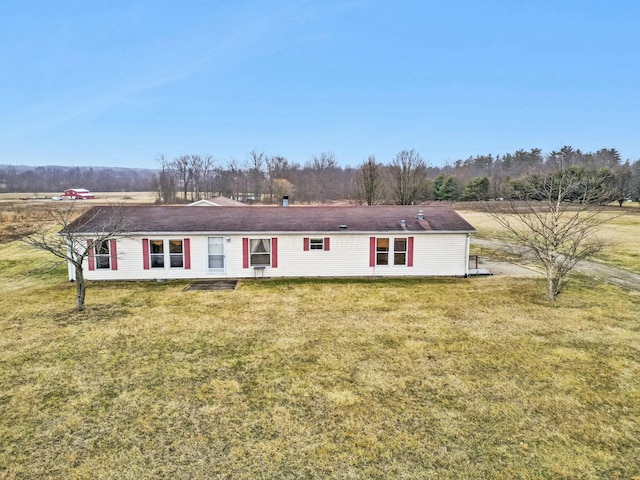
column 245, row 35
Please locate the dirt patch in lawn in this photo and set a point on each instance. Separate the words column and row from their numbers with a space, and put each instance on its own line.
column 213, row 285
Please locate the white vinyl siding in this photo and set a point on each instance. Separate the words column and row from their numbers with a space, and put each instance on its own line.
column 434, row 254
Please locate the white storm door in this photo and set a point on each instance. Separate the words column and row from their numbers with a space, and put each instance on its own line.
column 216, row 254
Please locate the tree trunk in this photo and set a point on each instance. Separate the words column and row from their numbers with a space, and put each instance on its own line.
column 550, row 295
column 81, row 289
column 552, row 282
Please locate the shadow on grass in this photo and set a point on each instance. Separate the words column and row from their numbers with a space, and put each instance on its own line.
column 92, row 314
column 371, row 281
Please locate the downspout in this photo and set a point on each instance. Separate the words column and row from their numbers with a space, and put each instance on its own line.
column 466, row 259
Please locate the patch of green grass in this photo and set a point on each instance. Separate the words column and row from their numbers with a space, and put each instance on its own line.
column 384, row 378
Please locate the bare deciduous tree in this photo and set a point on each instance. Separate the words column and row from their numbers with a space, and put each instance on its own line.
column 255, row 167
column 278, row 171
column 206, row 174
column 369, row 182
column 192, row 173
column 236, row 179
column 166, row 182
column 408, row 177
column 319, row 178
column 69, row 247
column 181, row 166
column 554, row 217
column 196, row 167
column 621, row 183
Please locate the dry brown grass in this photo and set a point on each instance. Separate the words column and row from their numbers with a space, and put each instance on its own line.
column 45, row 198
column 623, row 236
column 129, row 197
column 402, row 378
column 17, row 220
column 620, row 234
column 19, row 217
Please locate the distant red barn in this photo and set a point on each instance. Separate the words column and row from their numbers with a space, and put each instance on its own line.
column 78, row 194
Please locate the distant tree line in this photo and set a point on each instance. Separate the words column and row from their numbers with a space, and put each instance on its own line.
column 404, row 179
column 484, row 177
column 22, row 179
column 260, row 178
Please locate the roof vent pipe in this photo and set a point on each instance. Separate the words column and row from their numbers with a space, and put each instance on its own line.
column 420, row 215
column 403, row 224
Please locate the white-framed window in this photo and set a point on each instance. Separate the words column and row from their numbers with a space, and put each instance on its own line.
column 316, row 243
column 158, row 250
column 176, row 254
column 216, row 256
column 156, row 253
column 382, row 251
column 260, row 252
column 391, row 251
column 162, row 253
column 102, row 255
column 399, row 251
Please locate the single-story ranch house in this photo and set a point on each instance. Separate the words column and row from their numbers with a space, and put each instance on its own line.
column 182, row 242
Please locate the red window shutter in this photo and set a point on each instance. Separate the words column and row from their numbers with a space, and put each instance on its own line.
column 114, row 254
column 245, row 253
column 274, row 253
column 410, row 252
column 306, row 244
column 145, row 253
column 327, row 244
column 372, row 251
column 186, row 246
column 92, row 262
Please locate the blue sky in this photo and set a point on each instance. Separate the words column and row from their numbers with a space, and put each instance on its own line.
column 119, row 83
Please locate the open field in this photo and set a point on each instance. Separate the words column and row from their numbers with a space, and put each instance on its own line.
column 39, row 198
column 20, row 212
column 421, row 378
column 622, row 235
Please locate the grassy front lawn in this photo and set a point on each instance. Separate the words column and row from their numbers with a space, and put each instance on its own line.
column 428, row 378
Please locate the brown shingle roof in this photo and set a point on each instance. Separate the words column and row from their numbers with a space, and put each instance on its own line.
column 148, row 219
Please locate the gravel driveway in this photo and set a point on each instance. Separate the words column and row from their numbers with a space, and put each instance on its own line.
column 599, row 271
